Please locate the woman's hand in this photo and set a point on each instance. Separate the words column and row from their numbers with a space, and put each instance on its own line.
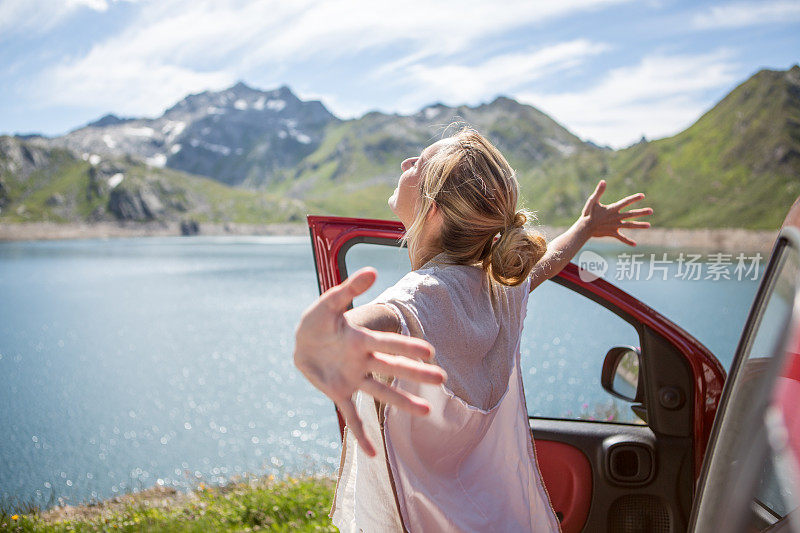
column 337, row 356
column 607, row 220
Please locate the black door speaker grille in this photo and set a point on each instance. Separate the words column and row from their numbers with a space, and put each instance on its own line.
column 639, row 513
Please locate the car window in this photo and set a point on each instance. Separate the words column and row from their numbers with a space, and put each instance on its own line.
column 772, row 494
column 564, row 342
column 761, row 342
column 391, row 262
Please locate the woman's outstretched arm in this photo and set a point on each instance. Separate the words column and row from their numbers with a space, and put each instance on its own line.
column 596, row 220
column 337, row 354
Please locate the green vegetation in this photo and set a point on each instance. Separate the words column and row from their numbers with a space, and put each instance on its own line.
column 262, row 504
column 60, row 188
column 737, row 166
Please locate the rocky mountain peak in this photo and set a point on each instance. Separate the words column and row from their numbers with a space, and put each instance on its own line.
column 793, row 74
column 239, row 97
column 240, row 135
column 107, row 120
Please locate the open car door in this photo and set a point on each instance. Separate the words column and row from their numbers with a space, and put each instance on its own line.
column 609, row 464
column 750, row 481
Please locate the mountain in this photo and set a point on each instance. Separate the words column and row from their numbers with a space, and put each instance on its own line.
column 737, row 166
column 273, row 141
column 356, row 168
column 38, row 183
column 239, row 136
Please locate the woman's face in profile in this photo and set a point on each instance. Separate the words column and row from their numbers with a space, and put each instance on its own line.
column 405, row 198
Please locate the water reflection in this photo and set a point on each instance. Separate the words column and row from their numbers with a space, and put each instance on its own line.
column 134, row 362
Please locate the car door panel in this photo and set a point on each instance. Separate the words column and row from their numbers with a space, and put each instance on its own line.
column 567, row 475
column 618, row 497
column 601, row 476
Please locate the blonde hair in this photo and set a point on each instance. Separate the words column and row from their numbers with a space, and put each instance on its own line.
column 476, row 191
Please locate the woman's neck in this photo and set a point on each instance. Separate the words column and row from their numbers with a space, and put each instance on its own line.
column 423, row 257
column 428, row 247
column 429, row 244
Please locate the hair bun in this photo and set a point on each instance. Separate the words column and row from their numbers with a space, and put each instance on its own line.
column 516, row 252
column 520, row 218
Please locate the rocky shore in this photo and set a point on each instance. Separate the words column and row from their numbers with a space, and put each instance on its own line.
column 728, row 240
column 38, row 231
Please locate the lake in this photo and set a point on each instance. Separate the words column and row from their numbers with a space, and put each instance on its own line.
column 133, row 362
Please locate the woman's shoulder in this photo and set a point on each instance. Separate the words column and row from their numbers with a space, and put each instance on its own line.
column 413, row 285
column 433, row 278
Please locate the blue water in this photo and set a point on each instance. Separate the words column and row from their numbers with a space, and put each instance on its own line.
column 133, row 362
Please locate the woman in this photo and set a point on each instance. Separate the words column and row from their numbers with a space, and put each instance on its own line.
column 469, row 465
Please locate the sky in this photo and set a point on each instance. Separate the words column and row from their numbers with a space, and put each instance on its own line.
column 610, row 71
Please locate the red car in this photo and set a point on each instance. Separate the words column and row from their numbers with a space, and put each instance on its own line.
column 708, row 454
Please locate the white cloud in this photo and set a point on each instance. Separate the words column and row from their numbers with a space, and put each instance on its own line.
column 40, row 16
column 97, row 5
column 741, row 14
column 505, row 73
column 117, row 86
column 174, row 47
column 658, row 97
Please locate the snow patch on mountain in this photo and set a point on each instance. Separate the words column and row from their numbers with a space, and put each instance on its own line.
column 563, row 148
column 115, row 180
column 173, row 128
column 431, row 112
column 302, row 138
column 276, row 105
column 139, row 132
column 158, row 160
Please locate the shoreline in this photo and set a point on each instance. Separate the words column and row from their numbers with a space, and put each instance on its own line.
column 48, row 231
column 711, row 239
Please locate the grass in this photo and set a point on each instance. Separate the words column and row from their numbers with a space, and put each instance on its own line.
column 257, row 504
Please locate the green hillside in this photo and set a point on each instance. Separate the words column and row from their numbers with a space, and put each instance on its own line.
column 737, row 166
column 356, row 168
column 44, row 184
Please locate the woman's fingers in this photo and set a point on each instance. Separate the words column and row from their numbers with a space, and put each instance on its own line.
column 598, row 192
column 341, row 296
column 624, row 239
column 392, row 396
column 626, row 201
column 394, row 343
column 634, row 224
column 637, row 212
column 403, row 367
column 353, row 422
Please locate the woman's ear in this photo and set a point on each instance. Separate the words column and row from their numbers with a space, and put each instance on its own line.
column 433, row 213
column 434, row 218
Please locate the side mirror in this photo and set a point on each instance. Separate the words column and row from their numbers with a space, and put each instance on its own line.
column 620, row 376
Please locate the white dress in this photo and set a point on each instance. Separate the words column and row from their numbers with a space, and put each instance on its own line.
column 470, row 464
